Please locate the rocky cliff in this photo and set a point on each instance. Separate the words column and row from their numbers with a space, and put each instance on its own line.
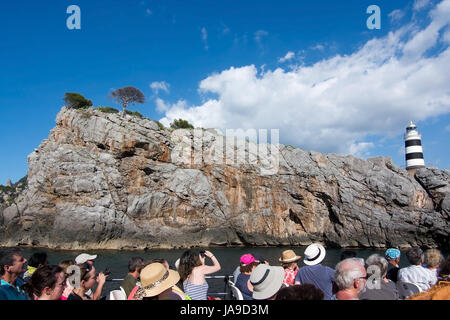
column 109, row 181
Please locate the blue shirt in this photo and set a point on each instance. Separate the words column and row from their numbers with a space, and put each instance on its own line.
column 319, row 276
column 10, row 292
column 242, row 285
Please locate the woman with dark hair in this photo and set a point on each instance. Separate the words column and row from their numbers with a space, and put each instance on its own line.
column 87, row 280
column 247, row 264
column 192, row 270
column 46, row 283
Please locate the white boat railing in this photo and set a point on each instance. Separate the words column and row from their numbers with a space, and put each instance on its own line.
column 225, row 278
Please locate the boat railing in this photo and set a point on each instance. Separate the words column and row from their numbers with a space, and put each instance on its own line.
column 226, row 292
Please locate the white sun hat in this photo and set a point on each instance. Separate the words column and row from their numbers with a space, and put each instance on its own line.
column 266, row 281
column 314, row 254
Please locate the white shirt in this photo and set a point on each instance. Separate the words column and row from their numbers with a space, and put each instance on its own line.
column 420, row 276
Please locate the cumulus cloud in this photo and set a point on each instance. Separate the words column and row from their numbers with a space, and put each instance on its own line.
column 287, row 57
column 156, row 86
column 339, row 103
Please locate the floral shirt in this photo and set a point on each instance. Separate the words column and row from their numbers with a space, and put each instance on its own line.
column 289, row 276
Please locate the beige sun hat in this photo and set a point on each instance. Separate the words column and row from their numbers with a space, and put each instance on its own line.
column 288, row 256
column 155, row 279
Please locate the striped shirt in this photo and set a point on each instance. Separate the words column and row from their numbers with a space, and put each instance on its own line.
column 195, row 291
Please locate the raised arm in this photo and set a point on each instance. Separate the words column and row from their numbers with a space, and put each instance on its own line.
column 210, row 269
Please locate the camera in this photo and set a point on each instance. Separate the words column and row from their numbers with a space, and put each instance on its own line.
column 106, row 272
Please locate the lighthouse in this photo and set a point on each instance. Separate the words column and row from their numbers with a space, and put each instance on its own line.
column 413, row 149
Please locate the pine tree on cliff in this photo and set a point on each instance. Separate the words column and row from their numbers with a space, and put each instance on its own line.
column 128, row 96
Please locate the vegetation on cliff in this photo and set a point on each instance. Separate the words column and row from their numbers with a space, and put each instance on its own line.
column 8, row 194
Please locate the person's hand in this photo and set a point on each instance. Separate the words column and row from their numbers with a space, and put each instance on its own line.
column 101, row 279
column 208, row 254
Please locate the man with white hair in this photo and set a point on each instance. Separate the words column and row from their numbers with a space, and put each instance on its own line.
column 350, row 277
column 378, row 287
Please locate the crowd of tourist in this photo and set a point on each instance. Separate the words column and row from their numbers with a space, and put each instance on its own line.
column 295, row 278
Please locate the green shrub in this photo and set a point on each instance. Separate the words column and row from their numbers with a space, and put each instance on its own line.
column 76, row 101
column 133, row 113
column 160, row 125
column 6, row 189
column 181, row 124
column 108, row 109
column 24, row 180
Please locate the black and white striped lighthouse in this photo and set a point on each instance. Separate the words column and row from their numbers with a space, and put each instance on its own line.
column 413, row 148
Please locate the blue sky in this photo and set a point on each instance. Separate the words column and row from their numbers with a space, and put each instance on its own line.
column 197, row 49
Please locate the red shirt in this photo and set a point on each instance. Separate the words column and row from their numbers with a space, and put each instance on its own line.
column 289, row 276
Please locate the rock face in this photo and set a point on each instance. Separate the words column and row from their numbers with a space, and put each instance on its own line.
column 106, row 181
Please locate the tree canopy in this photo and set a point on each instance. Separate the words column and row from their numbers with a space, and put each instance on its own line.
column 128, row 96
column 76, row 101
column 181, row 124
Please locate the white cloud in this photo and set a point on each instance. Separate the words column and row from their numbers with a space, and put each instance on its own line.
column 420, row 4
column 427, row 38
column 446, row 36
column 287, row 57
column 205, row 38
column 173, row 109
column 156, row 86
column 396, row 15
column 336, row 104
column 360, row 149
column 319, row 47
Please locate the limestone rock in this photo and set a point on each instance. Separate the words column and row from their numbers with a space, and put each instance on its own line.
column 106, row 181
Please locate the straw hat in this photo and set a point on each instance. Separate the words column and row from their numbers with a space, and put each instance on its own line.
column 314, row 254
column 288, row 256
column 266, row 281
column 155, row 279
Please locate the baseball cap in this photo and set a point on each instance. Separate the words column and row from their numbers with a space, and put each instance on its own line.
column 246, row 259
column 84, row 257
